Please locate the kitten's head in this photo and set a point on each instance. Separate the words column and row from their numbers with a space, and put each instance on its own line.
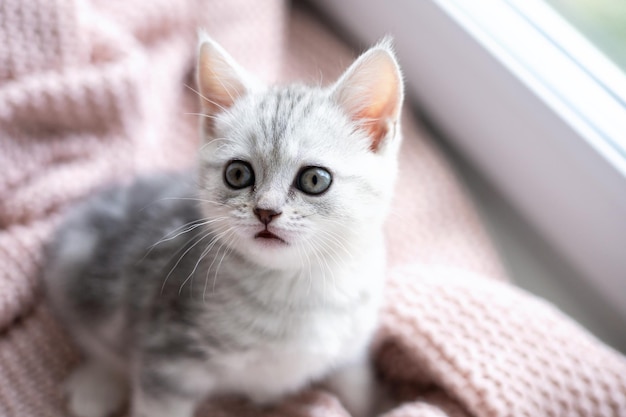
column 297, row 175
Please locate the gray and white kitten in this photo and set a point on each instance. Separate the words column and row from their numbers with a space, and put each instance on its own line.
column 257, row 274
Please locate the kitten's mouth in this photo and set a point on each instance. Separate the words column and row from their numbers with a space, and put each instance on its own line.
column 266, row 234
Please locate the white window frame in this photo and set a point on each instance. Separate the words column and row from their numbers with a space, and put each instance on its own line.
column 533, row 106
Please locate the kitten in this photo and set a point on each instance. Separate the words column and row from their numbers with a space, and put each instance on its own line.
column 258, row 273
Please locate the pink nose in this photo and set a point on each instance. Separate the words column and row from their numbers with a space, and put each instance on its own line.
column 266, row 216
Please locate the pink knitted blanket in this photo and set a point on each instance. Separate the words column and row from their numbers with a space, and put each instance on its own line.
column 92, row 91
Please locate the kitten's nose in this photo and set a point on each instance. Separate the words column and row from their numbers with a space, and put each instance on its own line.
column 266, row 216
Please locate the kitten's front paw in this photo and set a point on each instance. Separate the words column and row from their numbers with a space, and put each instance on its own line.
column 356, row 388
column 93, row 391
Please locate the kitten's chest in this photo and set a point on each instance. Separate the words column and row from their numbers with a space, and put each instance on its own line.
column 311, row 313
column 317, row 328
column 306, row 350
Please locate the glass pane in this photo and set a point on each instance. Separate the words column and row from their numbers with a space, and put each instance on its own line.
column 601, row 21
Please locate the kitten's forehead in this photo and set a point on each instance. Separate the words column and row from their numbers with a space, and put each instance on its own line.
column 286, row 126
column 286, row 116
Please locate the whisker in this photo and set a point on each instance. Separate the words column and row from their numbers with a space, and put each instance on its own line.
column 331, row 254
column 369, row 121
column 336, row 239
column 189, row 229
column 204, row 253
column 217, row 270
column 307, row 265
column 324, row 298
column 210, row 246
column 192, row 226
column 196, row 199
column 151, row 247
column 208, row 116
column 329, row 250
column 223, row 145
column 219, row 79
column 181, row 258
column 211, row 266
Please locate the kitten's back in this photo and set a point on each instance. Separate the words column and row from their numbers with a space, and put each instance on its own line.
column 89, row 260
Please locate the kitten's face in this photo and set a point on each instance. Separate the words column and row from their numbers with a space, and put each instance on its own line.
column 289, row 177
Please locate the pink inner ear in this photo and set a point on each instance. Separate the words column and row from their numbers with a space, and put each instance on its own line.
column 371, row 94
column 219, row 83
column 220, row 94
column 380, row 110
column 376, row 129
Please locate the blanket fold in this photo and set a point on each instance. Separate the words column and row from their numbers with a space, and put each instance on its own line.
column 495, row 349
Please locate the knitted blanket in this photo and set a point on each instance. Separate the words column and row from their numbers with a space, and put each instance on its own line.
column 95, row 91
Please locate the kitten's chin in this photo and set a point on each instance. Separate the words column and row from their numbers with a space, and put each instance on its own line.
column 271, row 251
column 273, row 257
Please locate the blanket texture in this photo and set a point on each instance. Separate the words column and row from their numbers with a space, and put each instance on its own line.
column 96, row 91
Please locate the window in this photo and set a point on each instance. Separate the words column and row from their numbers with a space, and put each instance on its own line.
column 602, row 21
column 565, row 62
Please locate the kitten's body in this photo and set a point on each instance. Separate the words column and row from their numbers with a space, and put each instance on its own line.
column 182, row 286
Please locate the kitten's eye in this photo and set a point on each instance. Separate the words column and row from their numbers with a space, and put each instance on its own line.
column 313, row 180
column 238, row 174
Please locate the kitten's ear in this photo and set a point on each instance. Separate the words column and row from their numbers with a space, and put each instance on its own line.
column 220, row 79
column 371, row 92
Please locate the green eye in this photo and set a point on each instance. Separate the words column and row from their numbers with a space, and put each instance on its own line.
column 313, row 180
column 238, row 174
